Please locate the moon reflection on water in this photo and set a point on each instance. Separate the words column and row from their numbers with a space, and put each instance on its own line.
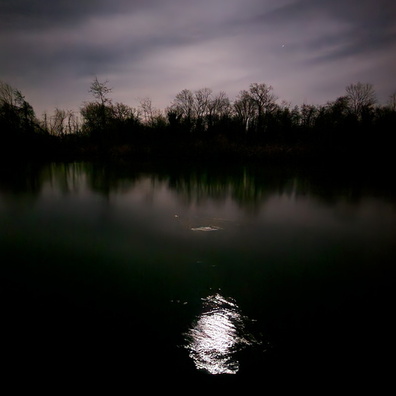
column 216, row 335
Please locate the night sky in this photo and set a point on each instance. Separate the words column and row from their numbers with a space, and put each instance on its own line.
column 308, row 50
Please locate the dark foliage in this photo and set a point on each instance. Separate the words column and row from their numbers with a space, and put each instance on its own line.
column 202, row 126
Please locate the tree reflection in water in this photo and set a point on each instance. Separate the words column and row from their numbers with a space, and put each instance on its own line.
column 217, row 334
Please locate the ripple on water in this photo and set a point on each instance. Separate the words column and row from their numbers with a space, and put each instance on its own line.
column 216, row 335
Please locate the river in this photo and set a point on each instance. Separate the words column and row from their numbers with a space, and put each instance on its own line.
column 212, row 276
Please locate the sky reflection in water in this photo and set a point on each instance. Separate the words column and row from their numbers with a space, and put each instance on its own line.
column 309, row 255
column 218, row 333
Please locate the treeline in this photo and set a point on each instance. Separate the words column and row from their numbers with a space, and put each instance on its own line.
column 201, row 124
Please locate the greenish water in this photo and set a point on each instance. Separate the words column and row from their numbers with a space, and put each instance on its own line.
column 218, row 277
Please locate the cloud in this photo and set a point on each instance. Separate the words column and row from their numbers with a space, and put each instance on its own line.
column 43, row 14
column 308, row 50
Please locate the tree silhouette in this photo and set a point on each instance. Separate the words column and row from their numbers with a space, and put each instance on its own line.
column 263, row 97
column 100, row 91
column 392, row 101
column 183, row 107
column 203, row 123
column 219, row 108
column 97, row 114
column 245, row 109
column 15, row 112
column 253, row 106
column 360, row 97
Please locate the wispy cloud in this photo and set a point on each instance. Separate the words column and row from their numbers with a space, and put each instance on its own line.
column 308, row 50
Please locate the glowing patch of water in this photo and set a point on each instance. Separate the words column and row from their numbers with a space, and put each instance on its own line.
column 217, row 334
column 206, row 228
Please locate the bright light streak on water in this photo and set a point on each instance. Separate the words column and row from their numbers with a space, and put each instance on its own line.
column 206, row 228
column 217, row 335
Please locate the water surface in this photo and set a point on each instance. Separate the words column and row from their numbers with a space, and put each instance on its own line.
column 228, row 277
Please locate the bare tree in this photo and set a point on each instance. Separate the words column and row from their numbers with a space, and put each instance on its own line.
column 56, row 123
column 219, row 105
column 73, row 123
column 251, row 106
column 182, row 108
column 44, row 121
column 202, row 99
column 308, row 114
column 263, row 97
column 7, row 94
column 245, row 108
column 100, row 91
column 184, row 103
column 147, row 110
column 97, row 114
column 392, row 101
column 151, row 115
column 360, row 96
column 123, row 112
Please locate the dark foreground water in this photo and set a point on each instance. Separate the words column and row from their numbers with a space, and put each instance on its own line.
column 187, row 279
